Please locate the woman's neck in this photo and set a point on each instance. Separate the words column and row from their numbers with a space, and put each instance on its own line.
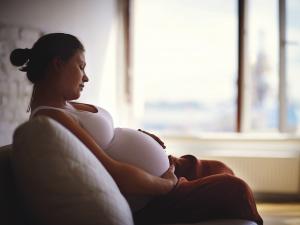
column 42, row 96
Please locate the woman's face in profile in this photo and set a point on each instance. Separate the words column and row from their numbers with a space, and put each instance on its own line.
column 72, row 76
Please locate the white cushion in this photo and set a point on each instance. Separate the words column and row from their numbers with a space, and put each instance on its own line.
column 61, row 181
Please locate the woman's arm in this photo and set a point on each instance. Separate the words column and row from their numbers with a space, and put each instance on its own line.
column 130, row 179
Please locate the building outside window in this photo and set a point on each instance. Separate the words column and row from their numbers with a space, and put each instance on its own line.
column 184, row 64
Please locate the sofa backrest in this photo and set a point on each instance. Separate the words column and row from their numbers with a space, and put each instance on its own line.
column 59, row 180
column 10, row 210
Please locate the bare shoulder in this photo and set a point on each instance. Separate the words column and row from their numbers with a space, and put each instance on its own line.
column 57, row 115
column 84, row 106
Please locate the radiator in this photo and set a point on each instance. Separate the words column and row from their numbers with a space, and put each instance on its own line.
column 266, row 175
column 268, row 167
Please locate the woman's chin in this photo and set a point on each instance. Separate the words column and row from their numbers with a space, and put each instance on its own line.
column 79, row 93
column 74, row 97
column 78, row 96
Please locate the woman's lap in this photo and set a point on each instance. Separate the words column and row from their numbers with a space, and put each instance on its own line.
column 190, row 167
column 207, row 189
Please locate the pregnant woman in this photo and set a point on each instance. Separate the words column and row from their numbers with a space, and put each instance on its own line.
column 159, row 188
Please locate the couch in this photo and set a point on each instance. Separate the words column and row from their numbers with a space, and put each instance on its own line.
column 49, row 177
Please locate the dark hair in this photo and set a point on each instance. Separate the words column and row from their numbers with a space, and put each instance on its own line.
column 34, row 61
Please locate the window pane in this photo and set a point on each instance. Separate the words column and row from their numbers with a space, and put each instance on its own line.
column 293, row 64
column 263, row 65
column 185, row 65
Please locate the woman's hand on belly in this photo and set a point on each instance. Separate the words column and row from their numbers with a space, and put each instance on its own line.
column 170, row 175
column 154, row 137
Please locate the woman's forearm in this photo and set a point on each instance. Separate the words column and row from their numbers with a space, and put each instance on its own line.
column 132, row 180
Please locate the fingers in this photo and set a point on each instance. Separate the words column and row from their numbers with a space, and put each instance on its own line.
column 162, row 144
column 172, row 168
column 158, row 140
column 171, row 159
column 154, row 137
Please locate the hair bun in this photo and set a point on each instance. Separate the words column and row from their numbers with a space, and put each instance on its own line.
column 19, row 57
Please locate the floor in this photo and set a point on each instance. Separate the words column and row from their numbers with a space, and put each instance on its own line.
column 280, row 213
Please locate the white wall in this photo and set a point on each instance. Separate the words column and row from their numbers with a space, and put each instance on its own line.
column 94, row 22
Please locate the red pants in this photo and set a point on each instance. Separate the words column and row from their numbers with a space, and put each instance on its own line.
column 206, row 189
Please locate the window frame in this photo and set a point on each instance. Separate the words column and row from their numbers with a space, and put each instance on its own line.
column 242, row 113
column 282, row 67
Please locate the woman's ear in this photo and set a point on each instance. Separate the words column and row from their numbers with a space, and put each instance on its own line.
column 57, row 64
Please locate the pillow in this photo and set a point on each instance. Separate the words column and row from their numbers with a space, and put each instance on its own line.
column 60, row 181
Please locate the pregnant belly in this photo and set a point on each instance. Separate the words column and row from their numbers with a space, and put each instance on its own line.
column 136, row 148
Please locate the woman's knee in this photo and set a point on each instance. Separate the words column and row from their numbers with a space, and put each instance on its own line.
column 224, row 166
column 235, row 186
column 219, row 167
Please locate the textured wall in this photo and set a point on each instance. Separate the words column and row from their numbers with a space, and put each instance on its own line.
column 92, row 21
column 15, row 89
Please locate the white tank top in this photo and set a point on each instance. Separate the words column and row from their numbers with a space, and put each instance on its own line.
column 123, row 144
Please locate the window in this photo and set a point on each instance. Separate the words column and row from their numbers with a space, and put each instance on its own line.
column 293, row 65
column 262, row 65
column 184, row 64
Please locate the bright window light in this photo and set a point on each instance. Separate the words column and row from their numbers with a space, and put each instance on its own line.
column 185, row 65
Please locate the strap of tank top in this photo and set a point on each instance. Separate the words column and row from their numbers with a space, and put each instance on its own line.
column 47, row 107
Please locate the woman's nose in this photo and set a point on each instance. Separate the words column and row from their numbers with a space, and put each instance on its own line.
column 85, row 78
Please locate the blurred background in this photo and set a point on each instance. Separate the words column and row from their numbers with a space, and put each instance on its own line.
column 217, row 79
